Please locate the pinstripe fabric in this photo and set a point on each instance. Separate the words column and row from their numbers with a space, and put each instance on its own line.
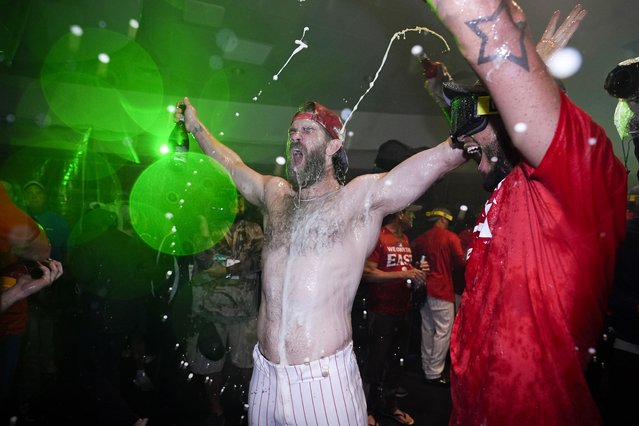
column 327, row 391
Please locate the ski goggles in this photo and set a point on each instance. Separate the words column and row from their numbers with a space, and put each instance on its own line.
column 469, row 114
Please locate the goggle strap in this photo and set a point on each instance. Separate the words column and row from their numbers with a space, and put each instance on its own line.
column 486, row 106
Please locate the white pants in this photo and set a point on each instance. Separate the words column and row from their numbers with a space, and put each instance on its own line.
column 327, row 392
column 437, row 323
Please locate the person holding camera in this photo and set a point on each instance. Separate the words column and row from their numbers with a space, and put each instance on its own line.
column 22, row 239
column 25, row 269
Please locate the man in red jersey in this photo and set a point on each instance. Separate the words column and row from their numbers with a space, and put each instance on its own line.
column 443, row 252
column 542, row 257
column 390, row 274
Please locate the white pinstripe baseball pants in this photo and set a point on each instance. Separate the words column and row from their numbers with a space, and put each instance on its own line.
column 327, row 391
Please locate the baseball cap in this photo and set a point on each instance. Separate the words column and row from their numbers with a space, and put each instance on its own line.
column 439, row 212
column 323, row 116
column 330, row 121
column 392, row 152
column 33, row 182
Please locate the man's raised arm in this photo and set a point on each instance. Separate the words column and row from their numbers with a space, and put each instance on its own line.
column 248, row 182
column 494, row 38
column 407, row 181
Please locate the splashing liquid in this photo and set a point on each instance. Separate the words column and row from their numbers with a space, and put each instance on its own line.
column 393, row 38
column 300, row 46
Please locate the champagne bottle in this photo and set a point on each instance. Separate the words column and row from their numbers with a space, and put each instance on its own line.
column 179, row 139
column 435, row 75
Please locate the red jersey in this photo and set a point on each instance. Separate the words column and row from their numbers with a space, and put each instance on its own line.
column 465, row 236
column 391, row 254
column 444, row 253
column 537, row 279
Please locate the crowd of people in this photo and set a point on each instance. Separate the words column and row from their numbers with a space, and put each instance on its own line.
column 262, row 321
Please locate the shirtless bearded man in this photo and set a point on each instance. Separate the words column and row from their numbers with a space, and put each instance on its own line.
column 318, row 234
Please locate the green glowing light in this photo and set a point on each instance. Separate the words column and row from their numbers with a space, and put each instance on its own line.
column 622, row 116
column 73, row 177
column 120, row 98
column 183, row 204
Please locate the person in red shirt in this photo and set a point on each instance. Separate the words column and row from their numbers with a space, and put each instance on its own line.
column 542, row 257
column 25, row 268
column 22, row 239
column 389, row 273
column 443, row 252
column 465, row 236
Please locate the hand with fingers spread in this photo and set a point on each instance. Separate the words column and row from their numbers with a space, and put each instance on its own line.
column 555, row 38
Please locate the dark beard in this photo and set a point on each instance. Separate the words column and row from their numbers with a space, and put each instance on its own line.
column 499, row 172
column 310, row 173
column 506, row 154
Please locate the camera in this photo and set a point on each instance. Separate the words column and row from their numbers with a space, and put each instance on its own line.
column 623, row 81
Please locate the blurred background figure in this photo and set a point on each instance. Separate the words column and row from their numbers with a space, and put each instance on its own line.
column 25, row 269
column 390, row 275
column 39, row 369
column 55, row 225
column 443, row 252
column 624, row 304
column 226, row 291
column 619, row 348
column 114, row 274
column 464, row 228
column 14, row 193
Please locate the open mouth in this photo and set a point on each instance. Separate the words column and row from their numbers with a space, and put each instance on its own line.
column 297, row 156
column 473, row 150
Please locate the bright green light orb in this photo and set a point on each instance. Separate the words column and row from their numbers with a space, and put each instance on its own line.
column 117, row 98
column 183, row 204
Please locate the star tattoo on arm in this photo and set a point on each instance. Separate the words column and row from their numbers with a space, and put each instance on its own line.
column 498, row 52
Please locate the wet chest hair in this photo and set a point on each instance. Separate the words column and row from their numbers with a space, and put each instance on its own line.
column 307, row 227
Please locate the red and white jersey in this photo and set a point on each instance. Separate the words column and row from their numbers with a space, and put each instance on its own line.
column 537, row 279
column 391, row 254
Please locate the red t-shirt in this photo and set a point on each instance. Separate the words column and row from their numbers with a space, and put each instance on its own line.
column 443, row 252
column 540, row 269
column 15, row 225
column 390, row 254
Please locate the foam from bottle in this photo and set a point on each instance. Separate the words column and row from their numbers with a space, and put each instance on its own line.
column 300, row 46
column 379, row 70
